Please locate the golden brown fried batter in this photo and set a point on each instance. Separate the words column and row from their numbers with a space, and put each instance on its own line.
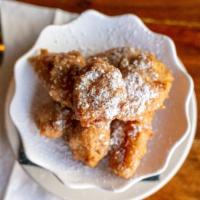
column 43, row 64
column 99, row 93
column 129, row 145
column 116, row 56
column 147, row 80
column 88, row 144
column 57, row 71
column 53, row 120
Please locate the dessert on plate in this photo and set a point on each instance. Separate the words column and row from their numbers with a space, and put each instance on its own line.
column 102, row 105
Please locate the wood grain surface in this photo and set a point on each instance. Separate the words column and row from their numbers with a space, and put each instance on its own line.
column 181, row 21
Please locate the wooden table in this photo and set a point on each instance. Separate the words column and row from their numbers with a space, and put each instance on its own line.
column 181, row 21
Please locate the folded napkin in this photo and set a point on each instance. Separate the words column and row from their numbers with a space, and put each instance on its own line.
column 22, row 187
column 21, row 25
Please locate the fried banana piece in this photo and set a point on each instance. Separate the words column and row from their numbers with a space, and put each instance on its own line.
column 148, row 81
column 53, row 120
column 88, row 144
column 99, row 93
column 128, row 146
column 57, row 71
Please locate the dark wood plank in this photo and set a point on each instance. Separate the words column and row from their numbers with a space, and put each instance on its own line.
column 144, row 8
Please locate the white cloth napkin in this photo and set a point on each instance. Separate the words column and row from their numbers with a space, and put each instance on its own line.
column 21, row 25
column 22, row 187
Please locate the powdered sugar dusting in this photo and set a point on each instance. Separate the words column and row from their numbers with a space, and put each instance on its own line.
column 142, row 61
column 120, row 131
column 118, row 135
column 86, row 80
column 59, row 124
column 100, row 92
column 135, row 129
column 139, row 93
column 133, row 63
column 89, row 76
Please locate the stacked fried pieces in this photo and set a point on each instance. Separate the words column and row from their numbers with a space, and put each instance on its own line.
column 103, row 104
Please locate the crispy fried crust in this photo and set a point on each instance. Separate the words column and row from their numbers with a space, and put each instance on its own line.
column 127, row 152
column 90, row 144
column 99, row 93
column 147, row 80
column 57, row 71
column 53, row 120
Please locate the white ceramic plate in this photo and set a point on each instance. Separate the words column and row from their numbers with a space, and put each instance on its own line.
column 140, row 190
column 93, row 32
